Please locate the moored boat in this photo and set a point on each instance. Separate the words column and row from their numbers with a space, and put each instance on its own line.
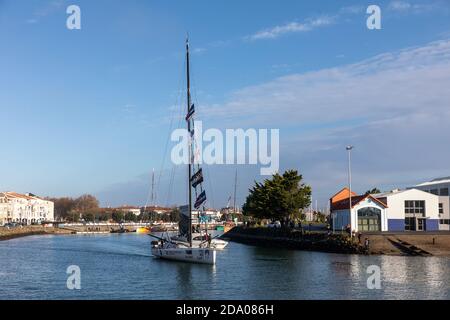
column 201, row 241
column 177, row 252
column 143, row 230
column 186, row 248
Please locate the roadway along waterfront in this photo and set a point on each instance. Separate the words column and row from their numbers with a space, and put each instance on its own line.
column 121, row 267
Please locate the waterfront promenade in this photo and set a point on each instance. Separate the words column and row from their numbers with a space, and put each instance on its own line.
column 409, row 243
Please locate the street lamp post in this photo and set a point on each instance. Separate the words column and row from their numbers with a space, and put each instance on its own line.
column 349, row 149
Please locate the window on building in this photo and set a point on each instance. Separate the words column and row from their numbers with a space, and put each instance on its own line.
column 444, row 221
column 435, row 191
column 444, row 192
column 410, row 224
column 415, row 208
column 441, row 208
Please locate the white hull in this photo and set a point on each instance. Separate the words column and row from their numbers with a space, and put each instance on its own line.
column 215, row 243
column 193, row 255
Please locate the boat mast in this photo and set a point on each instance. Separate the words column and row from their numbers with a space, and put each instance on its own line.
column 235, row 186
column 153, row 188
column 188, row 82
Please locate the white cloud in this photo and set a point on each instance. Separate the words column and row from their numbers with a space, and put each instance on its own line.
column 402, row 6
column 308, row 25
column 385, row 85
column 399, row 5
column 199, row 50
column 395, row 108
column 45, row 9
column 354, row 9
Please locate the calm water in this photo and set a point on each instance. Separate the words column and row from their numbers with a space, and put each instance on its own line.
column 121, row 267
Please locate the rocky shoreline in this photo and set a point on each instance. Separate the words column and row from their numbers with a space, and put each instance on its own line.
column 18, row 232
column 294, row 239
column 401, row 244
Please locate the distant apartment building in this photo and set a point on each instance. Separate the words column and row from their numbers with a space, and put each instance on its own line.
column 24, row 208
column 439, row 187
column 3, row 210
column 157, row 209
column 130, row 209
column 397, row 210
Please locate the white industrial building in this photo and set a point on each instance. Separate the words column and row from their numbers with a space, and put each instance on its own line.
column 397, row 210
column 440, row 187
column 411, row 210
column 24, row 208
column 365, row 214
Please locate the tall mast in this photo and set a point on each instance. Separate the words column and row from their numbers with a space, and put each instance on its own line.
column 153, row 188
column 235, row 186
column 188, row 82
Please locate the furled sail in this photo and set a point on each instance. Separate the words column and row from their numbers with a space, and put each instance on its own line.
column 197, row 178
column 200, row 200
column 185, row 221
column 190, row 112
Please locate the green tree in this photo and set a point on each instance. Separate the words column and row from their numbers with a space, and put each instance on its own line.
column 153, row 216
column 281, row 197
column 175, row 215
column 130, row 217
column 103, row 217
column 73, row 216
column 373, row 191
column 89, row 217
column 144, row 217
column 117, row 216
column 320, row 217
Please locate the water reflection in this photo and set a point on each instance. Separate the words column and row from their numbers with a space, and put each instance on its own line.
column 120, row 267
column 184, row 278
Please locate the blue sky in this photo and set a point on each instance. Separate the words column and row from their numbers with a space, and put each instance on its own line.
column 88, row 111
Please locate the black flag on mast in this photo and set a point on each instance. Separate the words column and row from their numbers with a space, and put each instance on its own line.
column 197, row 178
column 190, row 112
column 200, row 200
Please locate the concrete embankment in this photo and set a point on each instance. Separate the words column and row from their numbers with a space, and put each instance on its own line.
column 82, row 229
column 17, row 232
column 409, row 243
column 294, row 239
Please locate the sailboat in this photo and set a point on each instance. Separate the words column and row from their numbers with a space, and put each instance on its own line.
column 184, row 247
